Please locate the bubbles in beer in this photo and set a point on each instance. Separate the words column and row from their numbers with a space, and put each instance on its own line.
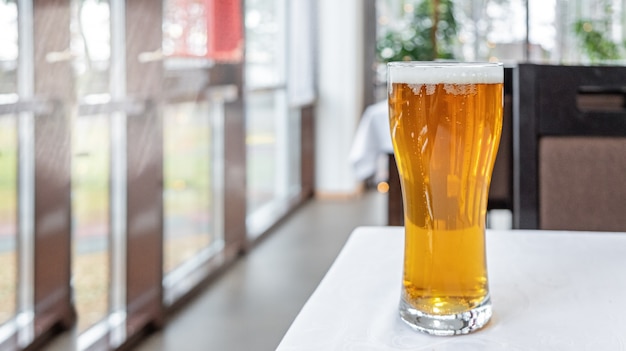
column 452, row 89
column 430, row 89
column 460, row 89
column 417, row 88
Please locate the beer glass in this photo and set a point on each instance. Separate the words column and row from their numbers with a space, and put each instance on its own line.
column 445, row 121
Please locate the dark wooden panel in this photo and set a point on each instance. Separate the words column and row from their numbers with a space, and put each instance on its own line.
column 308, row 151
column 144, row 273
column 234, row 157
column 52, row 168
column 52, row 218
column 144, row 218
column 51, row 25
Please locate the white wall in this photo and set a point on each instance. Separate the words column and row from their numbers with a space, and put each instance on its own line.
column 340, row 81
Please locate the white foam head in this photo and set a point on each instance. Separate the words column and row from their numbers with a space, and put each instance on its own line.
column 413, row 72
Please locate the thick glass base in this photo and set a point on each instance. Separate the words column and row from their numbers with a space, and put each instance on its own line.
column 451, row 324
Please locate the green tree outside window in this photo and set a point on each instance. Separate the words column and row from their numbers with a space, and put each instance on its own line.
column 431, row 33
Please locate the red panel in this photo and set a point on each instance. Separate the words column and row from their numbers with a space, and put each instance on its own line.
column 225, row 41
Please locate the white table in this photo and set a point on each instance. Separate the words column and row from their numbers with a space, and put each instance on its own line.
column 550, row 291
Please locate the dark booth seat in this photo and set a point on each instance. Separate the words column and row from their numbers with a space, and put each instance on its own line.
column 570, row 147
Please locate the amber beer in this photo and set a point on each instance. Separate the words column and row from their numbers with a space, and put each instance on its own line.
column 445, row 121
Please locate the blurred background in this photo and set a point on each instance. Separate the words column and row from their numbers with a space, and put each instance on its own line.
column 146, row 144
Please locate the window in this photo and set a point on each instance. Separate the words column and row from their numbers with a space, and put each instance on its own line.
column 273, row 120
column 193, row 145
column 569, row 32
column 193, row 191
column 90, row 30
column 8, row 163
column 119, row 135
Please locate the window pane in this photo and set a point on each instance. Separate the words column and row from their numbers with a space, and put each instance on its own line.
column 265, row 42
column 185, row 28
column 557, row 32
column 495, row 30
column 8, row 216
column 90, row 211
column 90, row 45
column 8, row 161
column 192, row 147
column 8, row 48
column 581, row 31
column 188, row 196
column 261, row 124
column 301, row 49
column 273, row 158
column 474, row 30
column 272, row 129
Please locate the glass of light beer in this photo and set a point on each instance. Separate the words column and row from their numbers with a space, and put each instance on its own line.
column 445, row 121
